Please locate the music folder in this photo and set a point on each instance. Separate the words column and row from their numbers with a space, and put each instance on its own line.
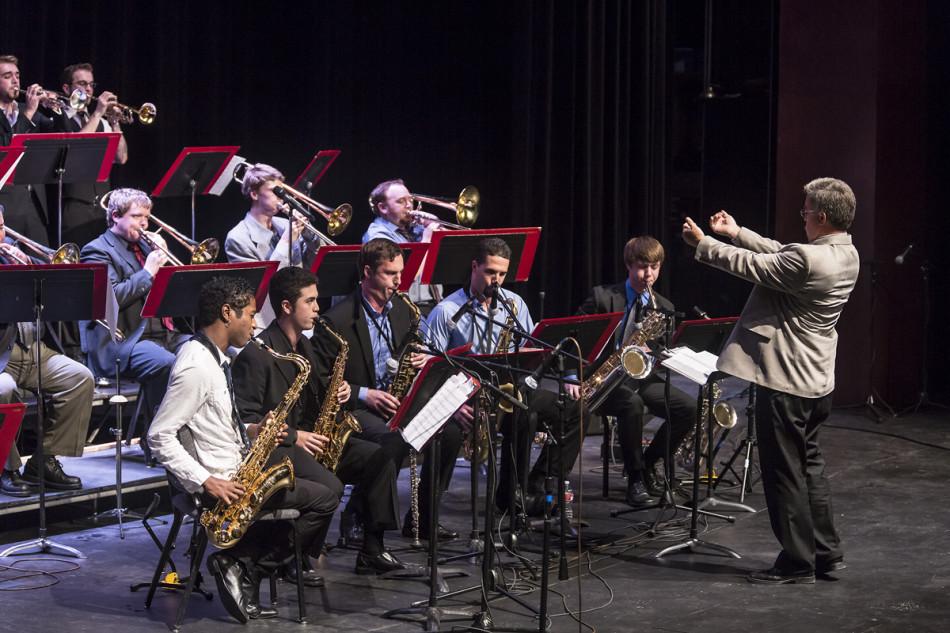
column 195, row 171
column 84, row 157
column 704, row 334
column 337, row 267
column 437, row 392
column 11, row 415
column 175, row 289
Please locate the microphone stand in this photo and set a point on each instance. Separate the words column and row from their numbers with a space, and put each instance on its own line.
column 923, row 400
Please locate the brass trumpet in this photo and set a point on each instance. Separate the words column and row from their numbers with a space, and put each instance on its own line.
column 337, row 219
column 465, row 207
column 80, row 101
column 203, row 252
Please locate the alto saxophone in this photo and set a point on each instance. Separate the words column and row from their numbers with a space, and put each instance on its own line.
column 226, row 524
column 724, row 417
column 629, row 360
column 331, row 423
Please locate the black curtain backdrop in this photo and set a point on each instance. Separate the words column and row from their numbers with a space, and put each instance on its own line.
column 555, row 110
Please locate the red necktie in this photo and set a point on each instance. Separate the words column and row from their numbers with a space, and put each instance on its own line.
column 140, row 258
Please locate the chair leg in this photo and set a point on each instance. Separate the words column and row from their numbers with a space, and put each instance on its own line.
column 298, row 561
column 606, row 451
column 165, row 557
column 198, row 554
column 134, row 422
column 272, row 579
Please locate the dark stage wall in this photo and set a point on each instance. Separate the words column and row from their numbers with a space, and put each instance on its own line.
column 581, row 117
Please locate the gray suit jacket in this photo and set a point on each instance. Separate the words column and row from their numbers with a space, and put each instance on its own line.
column 131, row 284
column 785, row 339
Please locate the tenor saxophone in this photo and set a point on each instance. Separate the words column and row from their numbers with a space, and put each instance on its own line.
column 226, row 524
column 336, row 426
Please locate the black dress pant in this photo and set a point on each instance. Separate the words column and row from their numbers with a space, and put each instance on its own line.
column 628, row 402
column 543, row 415
column 373, row 474
column 797, row 492
column 268, row 545
column 375, row 429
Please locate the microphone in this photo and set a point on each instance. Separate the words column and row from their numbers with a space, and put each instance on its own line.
column 531, row 381
column 465, row 309
column 700, row 312
column 899, row 260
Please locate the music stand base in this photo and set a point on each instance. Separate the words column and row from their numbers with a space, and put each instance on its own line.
column 41, row 545
column 120, row 514
column 431, row 616
column 692, row 545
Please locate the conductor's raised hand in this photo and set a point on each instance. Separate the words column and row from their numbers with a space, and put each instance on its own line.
column 724, row 224
column 692, row 233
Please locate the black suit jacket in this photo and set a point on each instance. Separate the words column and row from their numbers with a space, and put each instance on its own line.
column 261, row 381
column 613, row 298
column 348, row 320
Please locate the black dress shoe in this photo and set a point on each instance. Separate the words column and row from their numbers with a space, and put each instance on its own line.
column 378, row 564
column 310, row 577
column 56, row 479
column 776, row 576
column 654, row 485
column 830, row 567
column 13, row 485
column 637, row 494
column 233, row 584
column 445, row 534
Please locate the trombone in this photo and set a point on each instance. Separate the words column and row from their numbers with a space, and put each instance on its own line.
column 68, row 253
column 203, row 252
column 337, row 219
column 465, row 207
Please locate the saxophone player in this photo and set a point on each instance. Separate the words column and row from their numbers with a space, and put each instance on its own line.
column 643, row 258
column 486, row 297
column 376, row 328
column 260, row 380
column 199, row 405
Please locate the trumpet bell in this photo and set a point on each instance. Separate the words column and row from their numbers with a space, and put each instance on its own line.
column 78, row 100
column 66, row 254
column 466, row 211
column 147, row 113
column 339, row 219
column 206, row 252
column 725, row 415
column 508, row 389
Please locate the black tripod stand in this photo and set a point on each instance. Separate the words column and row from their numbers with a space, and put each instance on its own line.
column 923, row 400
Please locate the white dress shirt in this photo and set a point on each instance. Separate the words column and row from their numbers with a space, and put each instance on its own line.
column 197, row 397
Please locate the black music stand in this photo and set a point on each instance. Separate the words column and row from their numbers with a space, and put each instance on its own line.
column 339, row 273
column 64, row 159
column 195, row 171
column 11, row 415
column 80, row 292
column 453, row 252
column 430, row 378
column 175, row 289
column 315, row 170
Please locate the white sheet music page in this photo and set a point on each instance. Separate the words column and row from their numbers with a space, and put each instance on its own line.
column 697, row 366
column 446, row 401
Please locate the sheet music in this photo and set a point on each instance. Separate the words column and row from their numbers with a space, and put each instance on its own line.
column 226, row 176
column 696, row 366
column 446, row 401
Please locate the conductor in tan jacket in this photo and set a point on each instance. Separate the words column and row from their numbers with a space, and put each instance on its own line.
column 785, row 342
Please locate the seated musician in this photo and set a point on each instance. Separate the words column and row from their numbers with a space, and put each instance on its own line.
column 376, row 326
column 67, row 385
column 145, row 353
column 82, row 219
column 489, row 268
column 391, row 203
column 261, row 235
column 260, row 381
column 198, row 412
column 643, row 258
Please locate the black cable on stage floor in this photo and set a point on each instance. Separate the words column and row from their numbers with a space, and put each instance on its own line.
column 886, row 434
column 52, row 578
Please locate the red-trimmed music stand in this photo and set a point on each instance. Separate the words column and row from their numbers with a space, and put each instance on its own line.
column 428, row 381
column 452, row 252
column 315, row 170
column 80, row 294
column 9, row 159
column 338, row 270
column 175, row 289
column 64, row 158
column 11, row 415
column 194, row 172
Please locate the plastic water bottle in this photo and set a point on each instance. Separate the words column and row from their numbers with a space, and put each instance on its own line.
column 568, row 501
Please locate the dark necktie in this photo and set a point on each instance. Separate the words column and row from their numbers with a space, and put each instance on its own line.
column 235, row 418
column 634, row 316
column 140, row 258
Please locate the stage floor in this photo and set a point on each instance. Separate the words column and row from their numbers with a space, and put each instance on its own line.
column 888, row 481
